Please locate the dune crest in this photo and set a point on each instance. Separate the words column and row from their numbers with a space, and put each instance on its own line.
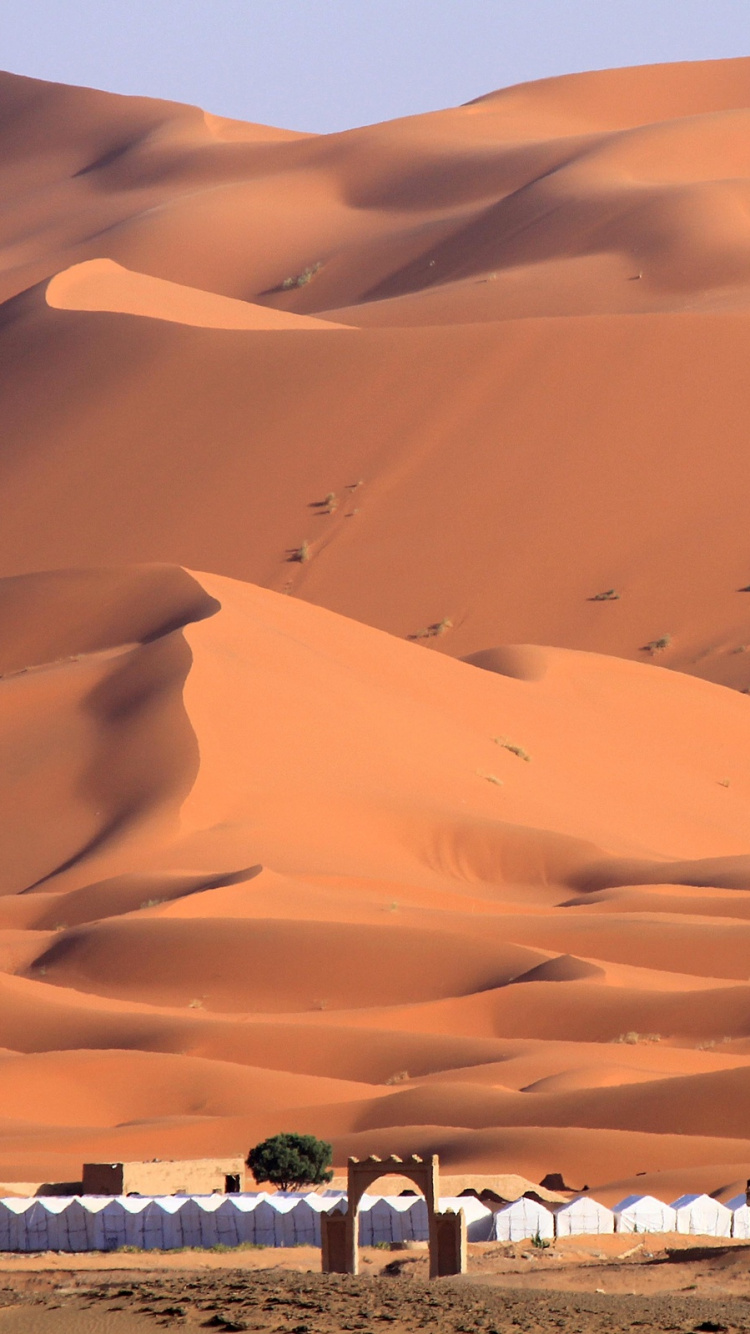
column 421, row 821
column 275, row 833
column 101, row 284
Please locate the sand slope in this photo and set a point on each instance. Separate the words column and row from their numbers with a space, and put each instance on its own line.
column 545, row 400
column 470, row 385
column 100, row 284
column 328, row 840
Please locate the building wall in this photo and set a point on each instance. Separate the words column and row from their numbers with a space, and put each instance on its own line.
column 197, row 1176
column 102, row 1179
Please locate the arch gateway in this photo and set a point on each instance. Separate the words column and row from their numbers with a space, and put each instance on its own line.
column 447, row 1231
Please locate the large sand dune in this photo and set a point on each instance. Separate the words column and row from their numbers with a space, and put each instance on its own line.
column 266, row 866
column 470, row 385
column 545, row 398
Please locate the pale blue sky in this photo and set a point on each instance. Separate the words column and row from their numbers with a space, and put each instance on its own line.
column 331, row 64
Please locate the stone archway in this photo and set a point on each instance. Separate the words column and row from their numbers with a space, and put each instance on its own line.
column 447, row 1231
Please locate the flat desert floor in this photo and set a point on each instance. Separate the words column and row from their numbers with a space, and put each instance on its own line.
column 592, row 1287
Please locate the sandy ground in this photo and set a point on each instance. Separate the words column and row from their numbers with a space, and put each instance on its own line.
column 585, row 1287
column 374, row 632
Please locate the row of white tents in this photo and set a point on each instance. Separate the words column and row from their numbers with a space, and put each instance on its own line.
column 695, row 1215
column 106, row 1223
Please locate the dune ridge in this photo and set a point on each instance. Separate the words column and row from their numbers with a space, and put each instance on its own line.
column 549, row 283
column 204, row 967
column 420, row 822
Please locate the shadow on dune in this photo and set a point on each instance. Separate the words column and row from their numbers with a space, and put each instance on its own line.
column 708, row 872
column 96, row 662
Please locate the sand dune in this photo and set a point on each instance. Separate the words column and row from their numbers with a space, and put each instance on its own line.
column 421, row 821
column 100, row 284
column 565, row 418
column 293, row 878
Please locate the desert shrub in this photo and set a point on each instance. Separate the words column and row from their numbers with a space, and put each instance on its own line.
column 514, row 749
column 303, row 278
column 657, row 645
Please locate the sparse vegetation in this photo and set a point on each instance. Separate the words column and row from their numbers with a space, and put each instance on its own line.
column 400, row 1077
column 723, row 782
column 195, row 1004
column 330, row 503
column 514, row 749
column 436, row 629
column 291, row 1161
column 152, row 903
column 657, row 645
column 180, row 1250
column 632, row 1038
column 609, row 595
column 491, row 778
column 302, row 554
column 303, row 278
column 540, row 1243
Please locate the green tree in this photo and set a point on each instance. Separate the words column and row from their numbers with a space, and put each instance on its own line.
column 291, row 1161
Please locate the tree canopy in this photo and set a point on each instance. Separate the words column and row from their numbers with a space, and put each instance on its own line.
column 291, row 1161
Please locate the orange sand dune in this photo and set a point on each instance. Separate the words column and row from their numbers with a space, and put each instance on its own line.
column 100, row 284
column 566, row 418
column 203, row 742
column 394, row 827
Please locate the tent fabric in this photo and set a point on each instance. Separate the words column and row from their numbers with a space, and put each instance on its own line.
column 522, row 1219
column 106, row 1223
column 582, row 1217
column 478, row 1216
column 740, row 1217
column 393, row 1218
column 643, row 1213
column 700, row 1215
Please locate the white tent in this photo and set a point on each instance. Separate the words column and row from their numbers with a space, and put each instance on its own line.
column 521, row 1219
column 642, row 1213
column 582, row 1217
column 82, row 1225
column 26, row 1225
column 478, row 1217
column 740, row 1217
column 268, row 1219
column 244, row 1207
column 147, row 1225
column 301, row 1224
column 702, row 1216
column 202, row 1222
column 7, row 1223
column 392, row 1218
column 110, row 1225
column 68, row 1223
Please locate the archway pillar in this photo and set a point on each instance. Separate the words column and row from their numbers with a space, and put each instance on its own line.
column 447, row 1232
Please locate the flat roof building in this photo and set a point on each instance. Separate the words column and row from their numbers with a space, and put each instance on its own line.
column 165, row 1176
